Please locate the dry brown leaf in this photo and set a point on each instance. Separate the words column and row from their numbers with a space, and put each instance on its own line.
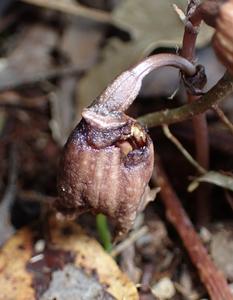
column 30, row 56
column 80, row 44
column 17, row 279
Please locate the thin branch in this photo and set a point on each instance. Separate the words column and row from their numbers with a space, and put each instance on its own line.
column 211, row 277
column 223, row 117
column 73, row 9
column 34, row 196
column 133, row 237
column 170, row 116
column 181, row 148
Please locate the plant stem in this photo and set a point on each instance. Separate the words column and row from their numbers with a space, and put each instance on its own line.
column 190, row 32
column 170, row 116
column 211, row 277
column 199, row 122
column 103, row 231
column 133, row 237
column 201, row 136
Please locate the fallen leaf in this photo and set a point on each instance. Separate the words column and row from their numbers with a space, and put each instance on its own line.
column 15, row 281
column 80, row 44
column 30, row 56
column 28, row 271
column 224, row 181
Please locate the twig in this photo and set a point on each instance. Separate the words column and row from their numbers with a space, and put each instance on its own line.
column 211, row 277
column 223, row 117
column 73, row 9
column 133, row 237
column 34, row 78
column 181, row 148
column 147, row 276
column 170, row 116
column 33, row 196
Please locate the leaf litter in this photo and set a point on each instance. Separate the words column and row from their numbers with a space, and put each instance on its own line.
column 38, row 118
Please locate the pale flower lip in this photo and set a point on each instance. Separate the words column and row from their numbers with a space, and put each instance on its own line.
column 108, row 159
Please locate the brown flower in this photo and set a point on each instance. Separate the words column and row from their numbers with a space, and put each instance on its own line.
column 108, row 159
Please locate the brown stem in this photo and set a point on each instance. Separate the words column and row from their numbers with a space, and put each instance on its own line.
column 211, row 277
column 190, row 31
column 199, row 122
column 201, row 137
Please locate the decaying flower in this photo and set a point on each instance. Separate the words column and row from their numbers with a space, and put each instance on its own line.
column 108, row 159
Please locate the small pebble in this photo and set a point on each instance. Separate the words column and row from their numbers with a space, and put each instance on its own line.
column 39, row 246
column 164, row 289
column 205, row 235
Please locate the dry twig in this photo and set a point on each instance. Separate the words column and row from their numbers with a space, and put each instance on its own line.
column 223, row 117
column 170, row 116
column 133, row 237
column 181, row 148
column 211, row 277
